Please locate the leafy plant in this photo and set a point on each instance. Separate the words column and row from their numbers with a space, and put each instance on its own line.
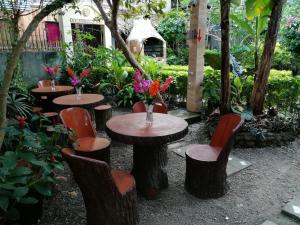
column 27, row 167
column 18, row 104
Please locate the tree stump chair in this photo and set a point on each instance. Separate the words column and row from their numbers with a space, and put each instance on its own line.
column 139, row 107
column 109, row 195
column 44, row 83
column 86, row 143
column 102, row 114
column 206, row 164
column 36, row 109
column 52, row 116
column 158, row 107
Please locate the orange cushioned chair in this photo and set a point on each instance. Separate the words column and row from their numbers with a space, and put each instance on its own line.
column 206, row 164
column 157, row 108
column 109, row 195
column 86, row 141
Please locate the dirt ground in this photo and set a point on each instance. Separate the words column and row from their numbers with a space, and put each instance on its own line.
column 256, row 194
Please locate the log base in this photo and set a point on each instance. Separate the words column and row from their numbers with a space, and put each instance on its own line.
column 101, row 154
column 102, row 114
column 148, row 169
column 205, row 179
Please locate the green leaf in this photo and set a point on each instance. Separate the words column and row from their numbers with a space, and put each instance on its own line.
column 242, row 24
column 28, row 200
column 43, row 189
column 4, row 202
column 20, row 192
column 19, row 171
column 236, row 2
column 7, row 186
column 10, row 161
column 28, row 156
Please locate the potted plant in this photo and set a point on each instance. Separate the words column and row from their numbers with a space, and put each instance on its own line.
column 27, row 172
column 76, row 81
column 148, row 91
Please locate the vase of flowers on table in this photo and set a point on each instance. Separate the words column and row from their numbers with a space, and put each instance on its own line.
column 76, row 81
column 52, row 73
column 149, row 91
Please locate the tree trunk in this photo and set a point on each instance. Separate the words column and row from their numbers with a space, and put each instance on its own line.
column 259, row 90
column 113, row 27
column 14, row 57
column 225, row 57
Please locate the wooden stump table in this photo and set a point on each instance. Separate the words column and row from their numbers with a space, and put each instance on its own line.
column 87, row 101
column 50, row 94
column 149, row 146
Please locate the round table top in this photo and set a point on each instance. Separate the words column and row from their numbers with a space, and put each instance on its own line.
column 132, row 128
column 48, row 90
column 85, row 100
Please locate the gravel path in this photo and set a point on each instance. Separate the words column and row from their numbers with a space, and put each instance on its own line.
column 256, row 193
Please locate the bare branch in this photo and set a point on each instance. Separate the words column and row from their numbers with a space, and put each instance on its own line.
column 109, row 4
column 103, row 13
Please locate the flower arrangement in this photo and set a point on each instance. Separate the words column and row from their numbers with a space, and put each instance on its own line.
column 51, row 71
column 148, row 88
column 75, row 80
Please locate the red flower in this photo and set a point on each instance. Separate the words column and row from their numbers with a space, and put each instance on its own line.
column 154, row 87
column 21, row 121
column 71, row 73
column 56, row 68
column 52, row 158
column 85, row 73
column 166, row 84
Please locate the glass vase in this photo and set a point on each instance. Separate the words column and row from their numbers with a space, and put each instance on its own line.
column 78, row 92
column 149, row 114
column 53, row 85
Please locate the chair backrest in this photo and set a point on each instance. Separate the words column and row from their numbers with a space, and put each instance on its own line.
column 79, row 120
column 160, row 107
column 96, row 184
column 44, row 83
column 227, row 126
column 139, row 107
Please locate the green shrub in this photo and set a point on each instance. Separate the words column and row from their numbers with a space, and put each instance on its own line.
column 283, row 90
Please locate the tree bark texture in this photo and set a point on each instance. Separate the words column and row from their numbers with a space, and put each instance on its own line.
column 103, row 201
column 102, row 115
column 206, row 179
column 225, row 57
column 14, row 56
column 259, row 90
column 148, row 169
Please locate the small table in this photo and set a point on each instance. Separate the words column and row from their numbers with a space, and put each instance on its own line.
column 149, row 146
column 50, row 94
column 88, row 101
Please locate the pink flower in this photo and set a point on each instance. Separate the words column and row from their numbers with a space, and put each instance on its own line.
column 166, row 84
column 137, row 75
column 75, row 81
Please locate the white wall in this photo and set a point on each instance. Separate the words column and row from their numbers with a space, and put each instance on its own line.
column 89, row 15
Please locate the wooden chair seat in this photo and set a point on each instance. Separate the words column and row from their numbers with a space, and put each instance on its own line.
column 206, row 175
column 86, row 142
column 50, row 114
column 205, row 153
column 90, row 144
column 124, row 181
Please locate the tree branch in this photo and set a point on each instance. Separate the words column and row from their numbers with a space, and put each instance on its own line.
column 103, row 13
